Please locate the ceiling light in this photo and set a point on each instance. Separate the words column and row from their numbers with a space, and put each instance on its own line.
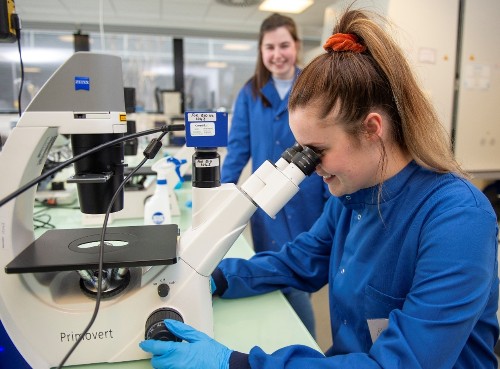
column 285, row 6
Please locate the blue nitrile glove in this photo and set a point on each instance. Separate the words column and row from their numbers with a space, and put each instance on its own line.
column 213, row 287
column 199, row 352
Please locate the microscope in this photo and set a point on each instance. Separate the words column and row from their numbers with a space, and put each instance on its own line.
column 48, row 285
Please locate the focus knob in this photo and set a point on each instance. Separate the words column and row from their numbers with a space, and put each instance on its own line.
column 155, row 328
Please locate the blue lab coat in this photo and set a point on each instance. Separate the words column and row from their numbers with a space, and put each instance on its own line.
column 425, row 259
column 263, row 133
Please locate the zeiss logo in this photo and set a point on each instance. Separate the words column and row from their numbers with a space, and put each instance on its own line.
column 82, row 83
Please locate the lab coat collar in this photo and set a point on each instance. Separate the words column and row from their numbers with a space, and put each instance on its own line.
column 390, row 189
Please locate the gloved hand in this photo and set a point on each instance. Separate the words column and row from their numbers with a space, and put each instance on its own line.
column 213, row 287
column 199, row 352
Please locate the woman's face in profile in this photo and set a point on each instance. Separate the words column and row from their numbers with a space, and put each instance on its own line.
column 347, row 165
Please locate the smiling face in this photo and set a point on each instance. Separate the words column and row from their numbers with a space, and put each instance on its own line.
column 347, row 164
column 279, row 53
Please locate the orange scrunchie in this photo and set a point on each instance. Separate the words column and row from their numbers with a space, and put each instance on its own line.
column 343, row 42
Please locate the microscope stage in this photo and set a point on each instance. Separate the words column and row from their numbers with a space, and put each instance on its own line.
column 77, row 249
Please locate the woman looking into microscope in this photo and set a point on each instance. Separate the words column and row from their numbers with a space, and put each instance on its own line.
column 407, row 245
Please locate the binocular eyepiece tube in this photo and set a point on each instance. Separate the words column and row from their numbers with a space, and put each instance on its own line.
column 302, row 156
column 272, row 186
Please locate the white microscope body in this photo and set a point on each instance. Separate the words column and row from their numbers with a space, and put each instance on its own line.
column 44, row 313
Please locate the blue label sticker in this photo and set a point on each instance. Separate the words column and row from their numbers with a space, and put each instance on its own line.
column 82, row 83
column 158, row 217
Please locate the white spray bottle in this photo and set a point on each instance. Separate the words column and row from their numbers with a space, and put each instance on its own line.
column 160, row 207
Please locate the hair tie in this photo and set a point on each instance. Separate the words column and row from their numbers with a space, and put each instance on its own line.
column 343, row 42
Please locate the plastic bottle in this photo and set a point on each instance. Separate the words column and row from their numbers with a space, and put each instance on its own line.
column 157, row 207
column 160, row 207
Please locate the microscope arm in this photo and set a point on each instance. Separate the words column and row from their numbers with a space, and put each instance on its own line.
column 16, row 216
column 225, row 211
column 216, row 226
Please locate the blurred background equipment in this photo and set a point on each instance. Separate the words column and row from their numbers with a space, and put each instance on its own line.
column 7, row 21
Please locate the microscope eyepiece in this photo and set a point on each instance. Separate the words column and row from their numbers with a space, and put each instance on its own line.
column 306, row 160
column 289, row 153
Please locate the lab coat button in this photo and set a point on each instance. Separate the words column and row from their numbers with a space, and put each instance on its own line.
column 348, row 197
column 342, row 271
column 359, row 216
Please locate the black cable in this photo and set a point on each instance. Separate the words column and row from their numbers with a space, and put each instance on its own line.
column 101, row 262
column 42, row 206
column 40, row 223
column 165, row 129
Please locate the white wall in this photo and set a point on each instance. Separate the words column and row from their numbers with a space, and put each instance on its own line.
column 427, row 32
column 478, row 120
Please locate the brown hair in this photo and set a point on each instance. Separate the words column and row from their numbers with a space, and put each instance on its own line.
column 262, row 74
column 379, row 77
